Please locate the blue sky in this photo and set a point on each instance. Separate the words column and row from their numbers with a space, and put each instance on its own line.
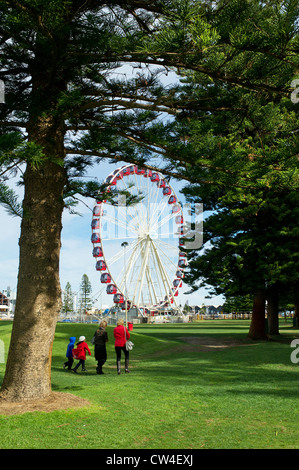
column 76, row 257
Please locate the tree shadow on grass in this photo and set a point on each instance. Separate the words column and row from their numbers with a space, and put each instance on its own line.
column 267, row 372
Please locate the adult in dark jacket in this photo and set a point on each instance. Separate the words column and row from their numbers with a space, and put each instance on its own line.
column 99, row 340
column 121, row 335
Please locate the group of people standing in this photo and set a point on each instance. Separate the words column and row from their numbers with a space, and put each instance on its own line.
column 100, row 338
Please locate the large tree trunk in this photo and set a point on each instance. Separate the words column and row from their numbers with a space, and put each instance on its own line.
column 257, row 327
column 272, row 312
column 28, row 369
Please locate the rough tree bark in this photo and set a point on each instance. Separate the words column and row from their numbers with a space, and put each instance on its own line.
column 28, row 370
column 257, row 326
column 272, row 312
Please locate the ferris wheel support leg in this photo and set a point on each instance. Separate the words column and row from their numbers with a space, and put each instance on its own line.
column 150, row 283
column 143, row 268
column 164, row 275
column 129, row 270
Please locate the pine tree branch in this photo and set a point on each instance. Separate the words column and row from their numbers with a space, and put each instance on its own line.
column 9, row 200
column 13, row 124
column 121, row 104
column 186, row 176
column 9, row 168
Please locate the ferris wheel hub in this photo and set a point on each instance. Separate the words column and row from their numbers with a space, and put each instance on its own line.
column 144, row 235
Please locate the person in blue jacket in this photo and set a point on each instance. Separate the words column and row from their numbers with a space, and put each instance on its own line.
column 69, row 353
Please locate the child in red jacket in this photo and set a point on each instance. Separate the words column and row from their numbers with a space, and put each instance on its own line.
column 80, row 353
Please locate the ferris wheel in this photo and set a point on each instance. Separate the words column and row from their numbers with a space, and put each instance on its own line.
column 137, row 247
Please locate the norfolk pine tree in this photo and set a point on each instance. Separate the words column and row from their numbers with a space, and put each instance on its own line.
column 68, row 299
column 245, row 151
column 85, row 293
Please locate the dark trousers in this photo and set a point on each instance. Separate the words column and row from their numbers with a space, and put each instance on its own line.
column 82, row 363
column 118, row 351
column 69, row 363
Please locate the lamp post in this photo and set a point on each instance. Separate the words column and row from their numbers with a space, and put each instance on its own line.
column 125, row 244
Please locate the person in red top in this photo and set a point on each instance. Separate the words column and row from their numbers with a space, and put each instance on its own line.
column 121, row 335
column 80, row 353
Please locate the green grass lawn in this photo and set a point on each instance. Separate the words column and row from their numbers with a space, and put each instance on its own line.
column 177, row 396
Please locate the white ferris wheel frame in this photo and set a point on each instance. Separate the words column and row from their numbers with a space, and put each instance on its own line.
column 146, row 254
